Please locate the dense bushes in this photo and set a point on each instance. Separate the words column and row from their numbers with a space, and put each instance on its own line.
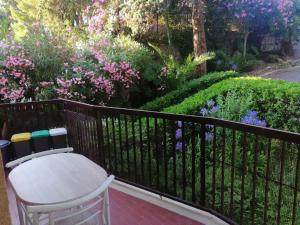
column 276, row 101
column 187, row 89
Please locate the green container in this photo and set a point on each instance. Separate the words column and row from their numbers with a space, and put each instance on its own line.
column 40, row 140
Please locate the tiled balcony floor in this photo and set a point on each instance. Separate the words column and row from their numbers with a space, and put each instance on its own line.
column 125, row 210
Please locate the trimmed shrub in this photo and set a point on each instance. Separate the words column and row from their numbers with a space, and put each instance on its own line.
column 187, row 89
column 276, row 100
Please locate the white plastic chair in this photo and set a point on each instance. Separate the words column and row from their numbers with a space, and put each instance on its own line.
column 87, row 210
column 19, row 161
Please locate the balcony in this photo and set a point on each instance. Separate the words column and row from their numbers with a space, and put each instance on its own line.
column 216, row 169
column 124, row 208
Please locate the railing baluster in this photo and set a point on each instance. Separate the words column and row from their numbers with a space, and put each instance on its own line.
column 232, row 171
column 121, row 145
column 156, row 153
column 108, row 144
column 127, row 148
column 95, row 153
column 244, row 150
column 282, row 164
column 183, row 162
column 134, row 147
column 99, row 125
column 87, row 138
column 174, row 158
column 254, row 178
column 149, row 151
column 80, row 126
column 193, row 164
column 141, row 151
column 114, row 145
column 223, row 169
column 165, row 155
column 296, row 188
column 266, row 201
column 214, row 167
column 202, row 165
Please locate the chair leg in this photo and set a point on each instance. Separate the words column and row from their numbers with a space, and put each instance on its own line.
column 20, row 212
column 107, row 208
column 51, row 219
column 35, row 219
column 103, row 211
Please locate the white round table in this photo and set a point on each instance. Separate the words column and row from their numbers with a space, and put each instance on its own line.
column 56, row 178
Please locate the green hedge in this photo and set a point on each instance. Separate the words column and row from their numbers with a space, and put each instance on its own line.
column 277, row 101
column 191, row 104
column 187, row 89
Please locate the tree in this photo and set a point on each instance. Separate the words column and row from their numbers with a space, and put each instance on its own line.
column 250, row 16
column 4, row 23
column 56, row 15
column 199, row 37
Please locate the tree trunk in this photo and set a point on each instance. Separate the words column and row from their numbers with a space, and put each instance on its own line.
column 245, row 44
column 168, row 29
column 199, row 37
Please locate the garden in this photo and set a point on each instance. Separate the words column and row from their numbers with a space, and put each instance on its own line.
column 170, row 56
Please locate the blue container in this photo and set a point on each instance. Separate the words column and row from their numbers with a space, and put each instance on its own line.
column 4, row 148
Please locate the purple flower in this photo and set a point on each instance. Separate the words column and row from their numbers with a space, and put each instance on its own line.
column 179, row 123
column 204, row 112
column 178, row 134
column 252, row 113
column 210, row 126
column 214, row 109
column 234, row 67
column 210, row 103
column 219, row 62
column 251, row 118
column 209, row 136
column 179, row 146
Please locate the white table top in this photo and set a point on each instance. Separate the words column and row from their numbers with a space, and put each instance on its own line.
column 56, row 178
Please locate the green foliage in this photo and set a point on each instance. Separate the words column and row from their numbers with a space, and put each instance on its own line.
column 47, row 54
column 181, row 72
column 124, row 48
column 224, row 61
column 4, row 23
column 182, row 39
column 57, row 15
column 277, row 101
column 187, row 89
column 234, row 105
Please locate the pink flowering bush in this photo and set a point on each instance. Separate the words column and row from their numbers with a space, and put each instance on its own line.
column 98, row 85
column 97, row 14
column 15, row 83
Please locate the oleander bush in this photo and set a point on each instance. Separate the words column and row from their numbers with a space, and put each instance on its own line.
column 187, row 89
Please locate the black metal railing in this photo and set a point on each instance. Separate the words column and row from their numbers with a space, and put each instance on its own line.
column 242, row 174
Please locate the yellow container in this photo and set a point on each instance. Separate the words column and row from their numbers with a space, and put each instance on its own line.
column 20, row 137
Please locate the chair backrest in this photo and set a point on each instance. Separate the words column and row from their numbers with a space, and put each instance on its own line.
column 83, row 206
column 19, row 161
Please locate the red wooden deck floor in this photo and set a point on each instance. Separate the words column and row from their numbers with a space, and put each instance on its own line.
column 125, row 210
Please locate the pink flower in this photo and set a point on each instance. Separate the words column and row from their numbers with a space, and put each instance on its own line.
column 3, row 81
column 45, row 84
